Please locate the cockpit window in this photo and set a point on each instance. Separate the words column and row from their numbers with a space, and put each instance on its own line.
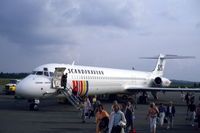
column 39, row 73
column 45, row 73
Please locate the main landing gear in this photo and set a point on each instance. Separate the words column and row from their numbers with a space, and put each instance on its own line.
column 34, row 103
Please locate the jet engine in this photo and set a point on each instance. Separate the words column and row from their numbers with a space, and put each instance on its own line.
column 161, row 82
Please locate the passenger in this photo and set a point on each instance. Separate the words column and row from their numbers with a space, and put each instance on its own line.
column 86, row 106
column 126, row 109
column 117, row 120
column 64, row 81
column 187, row 98
column 191, row 111
column 114, row 103
column 192, row 98
column 102, row 120
column 162, row 111
column 152, row 114
column 94, row 106
column 198, row 116
column 170, row 115
column 183, row 97
column 132, row 108
column 134, row 101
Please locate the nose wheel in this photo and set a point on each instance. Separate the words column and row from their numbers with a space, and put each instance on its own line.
column 34, row 105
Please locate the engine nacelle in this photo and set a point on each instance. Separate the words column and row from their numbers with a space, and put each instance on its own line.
column 161, row 82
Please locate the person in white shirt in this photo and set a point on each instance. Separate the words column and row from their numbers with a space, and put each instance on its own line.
column 117, row 120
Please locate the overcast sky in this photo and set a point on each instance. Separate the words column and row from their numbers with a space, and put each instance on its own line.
column 105, row 33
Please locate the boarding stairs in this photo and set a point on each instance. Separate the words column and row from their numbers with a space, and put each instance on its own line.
column 67, row 92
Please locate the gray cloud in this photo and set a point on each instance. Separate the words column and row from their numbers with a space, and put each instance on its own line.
column 110, row 33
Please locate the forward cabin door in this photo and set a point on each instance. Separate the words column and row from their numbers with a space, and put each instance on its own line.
column 58, row 73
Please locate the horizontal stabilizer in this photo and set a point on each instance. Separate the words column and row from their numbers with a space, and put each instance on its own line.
column 169, row 57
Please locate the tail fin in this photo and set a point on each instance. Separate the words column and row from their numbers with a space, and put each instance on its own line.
column 160, row 66
column 159, row 69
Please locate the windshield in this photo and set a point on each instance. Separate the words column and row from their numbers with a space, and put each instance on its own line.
column 45, row 73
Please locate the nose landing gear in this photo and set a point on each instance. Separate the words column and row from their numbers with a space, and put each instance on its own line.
column 34, row 103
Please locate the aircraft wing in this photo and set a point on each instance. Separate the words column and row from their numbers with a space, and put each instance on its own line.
column 133, row 89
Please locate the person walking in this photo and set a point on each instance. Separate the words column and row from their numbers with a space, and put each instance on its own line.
column 117, row 120
column 192, row 112
column 132, row 109
column 162, row 111
column 198, row 116
column 112, row 107
column 126, row 109
column 86, row 106
column 170, row 113
column 102, row 120
column 187, row 98
column 152, row 115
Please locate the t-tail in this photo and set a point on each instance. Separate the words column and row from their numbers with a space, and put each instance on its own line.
column 160, row 66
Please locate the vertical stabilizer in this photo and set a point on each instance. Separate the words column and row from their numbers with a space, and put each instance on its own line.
column 160, row 66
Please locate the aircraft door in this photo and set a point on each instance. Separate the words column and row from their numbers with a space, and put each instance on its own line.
column 59, row 71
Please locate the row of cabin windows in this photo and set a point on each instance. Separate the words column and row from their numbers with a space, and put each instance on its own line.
column 85, row 71
column 89, row 77
column 100, row 77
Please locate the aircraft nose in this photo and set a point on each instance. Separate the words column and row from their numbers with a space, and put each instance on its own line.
column 23, row 87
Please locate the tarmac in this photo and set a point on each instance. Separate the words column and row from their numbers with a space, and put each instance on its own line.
column 53, row 117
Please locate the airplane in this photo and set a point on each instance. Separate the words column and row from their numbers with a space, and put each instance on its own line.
column 45, row 81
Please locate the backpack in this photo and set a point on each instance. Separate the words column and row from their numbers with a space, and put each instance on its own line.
column 104, row 123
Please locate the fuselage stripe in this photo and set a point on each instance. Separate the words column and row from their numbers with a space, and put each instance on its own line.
column 82, row 87
column 87, row 87
column 81, row 90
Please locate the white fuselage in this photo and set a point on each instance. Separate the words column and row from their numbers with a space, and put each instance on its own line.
column 88, row 80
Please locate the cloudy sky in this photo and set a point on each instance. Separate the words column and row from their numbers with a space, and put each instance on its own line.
column 107, row 33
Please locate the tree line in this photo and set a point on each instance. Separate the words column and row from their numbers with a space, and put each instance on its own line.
column 13, row 75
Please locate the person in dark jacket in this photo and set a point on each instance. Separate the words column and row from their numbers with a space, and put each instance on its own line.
column 128, row 115
column 170, row 113
column 64, row 80
column 192, row 112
